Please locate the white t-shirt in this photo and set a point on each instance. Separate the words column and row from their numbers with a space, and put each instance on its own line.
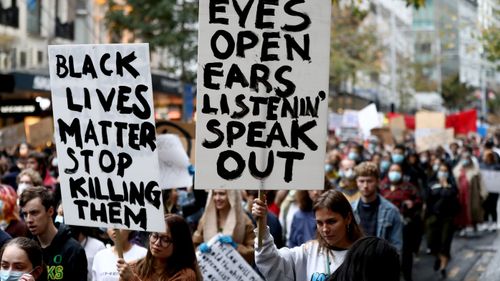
column 104, row 266
column 92, row 246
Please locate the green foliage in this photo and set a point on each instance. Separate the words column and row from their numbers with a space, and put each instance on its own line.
column 456, row 95
column 491, row 43
column 163, row 24
column 353, row 47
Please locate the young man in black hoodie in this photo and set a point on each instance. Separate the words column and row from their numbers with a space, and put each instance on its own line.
column 63, row 255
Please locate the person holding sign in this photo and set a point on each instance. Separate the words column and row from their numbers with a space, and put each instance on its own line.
column 22, row 260
column 64, row 256
column 337, row 230
column 170, row 256
column 224, row 214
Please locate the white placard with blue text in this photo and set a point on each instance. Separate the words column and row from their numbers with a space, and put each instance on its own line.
column 105, row 136
column 262, row 98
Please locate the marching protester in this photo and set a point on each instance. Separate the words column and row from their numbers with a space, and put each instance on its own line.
column 10, row 221
column 376, row 215
column 38, row 162
column 406, row 198
column 22, row 259
column 26, row 178
column 336, row 228
column 471, row 193
column 170, row 256
column 442, row 207
column 103, row 266
column 224, row 215
column 490, row 162
column 347, row 181
column 64, row 256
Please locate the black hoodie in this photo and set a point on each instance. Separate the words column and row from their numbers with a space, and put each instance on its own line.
column 65, row 257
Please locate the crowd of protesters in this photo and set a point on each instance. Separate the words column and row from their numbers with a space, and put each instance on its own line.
column 403, row 202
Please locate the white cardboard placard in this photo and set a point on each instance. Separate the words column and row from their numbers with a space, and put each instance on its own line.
column 262, row 93
column 491, row 179
column 105, row 136
column 368, row 119
column 223, row 262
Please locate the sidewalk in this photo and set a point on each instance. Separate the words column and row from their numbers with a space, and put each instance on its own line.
column 492, row 272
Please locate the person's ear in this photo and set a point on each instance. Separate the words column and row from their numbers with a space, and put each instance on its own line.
column 50, row 211
column 37, row 272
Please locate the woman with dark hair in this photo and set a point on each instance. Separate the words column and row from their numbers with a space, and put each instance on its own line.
column 369, row 259
column 171, row 256
column 336, row 231
column 442, row 207
column 22, row 259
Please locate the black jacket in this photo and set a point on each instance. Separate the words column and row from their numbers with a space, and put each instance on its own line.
column 65, row 258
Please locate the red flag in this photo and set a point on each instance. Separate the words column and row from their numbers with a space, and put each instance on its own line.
column 463, row 122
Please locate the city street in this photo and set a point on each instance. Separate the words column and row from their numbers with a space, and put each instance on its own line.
column 470, row 258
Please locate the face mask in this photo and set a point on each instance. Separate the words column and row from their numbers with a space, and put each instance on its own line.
column 423, row 160
column 348, row 174
column 394, row 176
column 21, row 187
column 328, row 168
column 465, row 162
column 59, row 219
column 397, row 158
column 435, row 167
column 372, row 147
column 353, row 156
column 384, row 165
column 7, row 275
column 442, row 175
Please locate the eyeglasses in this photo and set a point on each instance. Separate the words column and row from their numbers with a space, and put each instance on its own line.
column 164, row 241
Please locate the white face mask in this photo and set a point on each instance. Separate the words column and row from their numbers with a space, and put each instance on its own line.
column 59, row 219
column 21, row 187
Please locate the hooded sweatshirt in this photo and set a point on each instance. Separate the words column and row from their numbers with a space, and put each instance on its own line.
column 65, row 258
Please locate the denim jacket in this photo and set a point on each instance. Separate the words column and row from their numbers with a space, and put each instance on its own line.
column 389, row 222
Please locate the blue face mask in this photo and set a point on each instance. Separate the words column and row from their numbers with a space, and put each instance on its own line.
column 328, row 168
column 353, row 156
column 442, row 175
column 397, row 158
column 7, row 275
column 394, row 176
column 384, row 165
column 465, row 162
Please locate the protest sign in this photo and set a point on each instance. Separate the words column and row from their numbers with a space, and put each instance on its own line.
column 434, row 138
column 491, row 180
column 429, row 120
column 105, row 136
column 185, row 130
column 40, row 133
column 262, row 94
column 12, row 135
column 174, row 162
column 368, row 119
column 334, row 121
column 383, row 134
column 350, row 119
column 398, row 127
column 223, row 262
